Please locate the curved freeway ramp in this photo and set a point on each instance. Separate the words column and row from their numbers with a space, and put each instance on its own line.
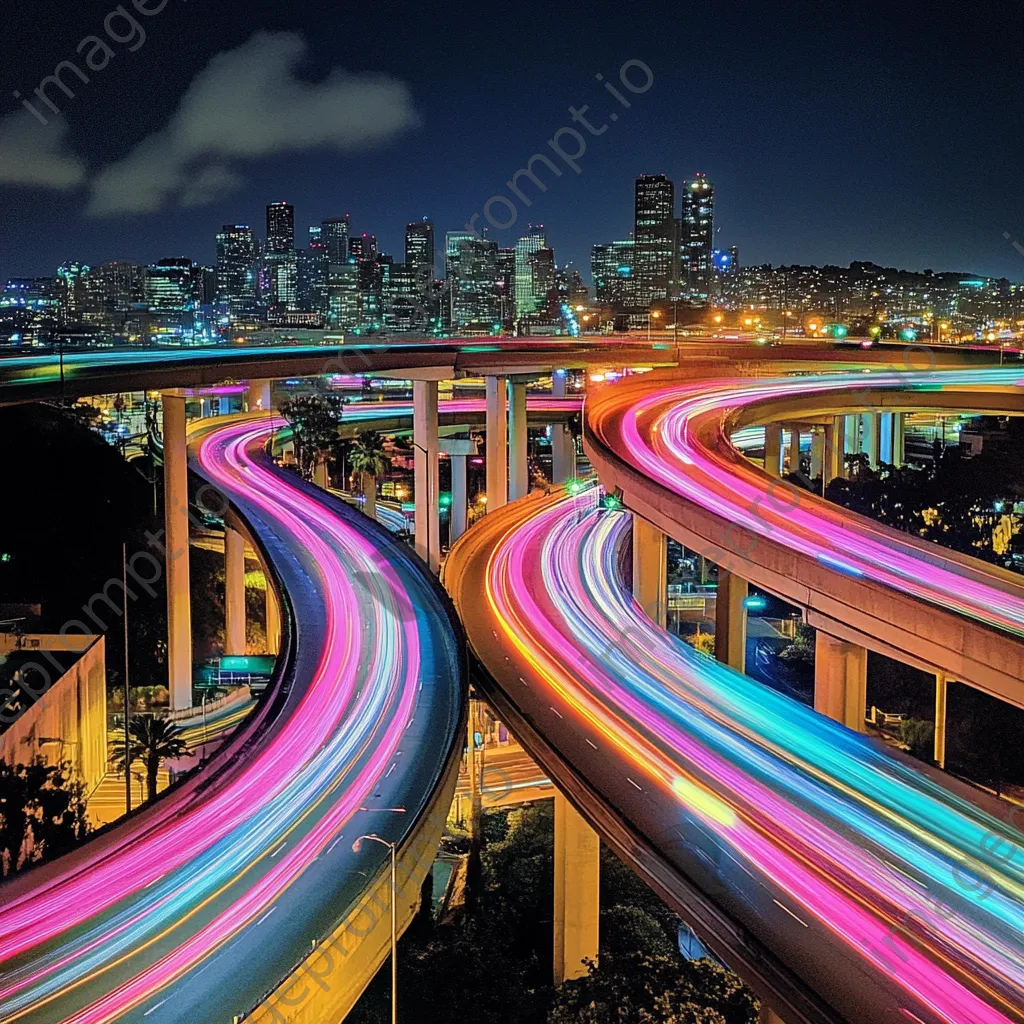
column 840, row 881
column 665, row 442
column 239, row 894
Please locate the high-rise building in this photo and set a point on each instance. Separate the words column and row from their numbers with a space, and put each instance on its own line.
column 471, row 267
column 542, row 270
column 507, row 288
column 403, row 297
column 419, row 247
column 29, row 309
column 696, row 240
column 311, row 275
column 280, row 228
column 654, row 240
column 527, row 301
column 236, row 270
column 111, row 290
column 71, row 292
column 173, row 285
column 344, row 309
column 611, row 267
column 335, row 234
column 363, row 247
column 282, row 281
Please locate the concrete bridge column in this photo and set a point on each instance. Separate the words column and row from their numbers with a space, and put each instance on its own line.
column 458, row 449
column 497, row 443
column 518, row 466
column 885, row 437
column 773, row 449
column 234, row 591
column 869, row 437
column 563, row 451
column 273, row 618
column 941, row 684
column 850, row 434
column 833, row 440
column 899, row 426
column 731, row 620
column 257, row 396
column 176, row 555
column 424, row 431
column 577, row 892
column 818, row 453
column 320, row 477
column 650, row 569
column 840, row 680
column 794, row 449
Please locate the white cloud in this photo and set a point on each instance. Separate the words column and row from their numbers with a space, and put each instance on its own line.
column 33, row 154
column 245, row 104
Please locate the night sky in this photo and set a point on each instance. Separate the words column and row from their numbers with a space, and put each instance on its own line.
column 832, row 132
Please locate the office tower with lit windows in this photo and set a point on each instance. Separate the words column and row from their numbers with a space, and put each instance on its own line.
column 236, row 270
column 344, row 308
column 29, row 311
column 611, row 267
column 696, row 240
column 471, row 270
column 334, row 233
column 311, row 274
column 173, row 294
column 542, row 271
column 403, row 297
column 280, row 228
column 111, row 290
column 527, row 301
column 419, row 248
column 70, row 291
column 654, row 257
column 506, row 263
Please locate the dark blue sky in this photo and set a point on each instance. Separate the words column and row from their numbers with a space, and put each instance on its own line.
column 832, row 131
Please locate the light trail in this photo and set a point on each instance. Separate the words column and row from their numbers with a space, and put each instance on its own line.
column 887, row 893
column 377, row 673
column 675, row 435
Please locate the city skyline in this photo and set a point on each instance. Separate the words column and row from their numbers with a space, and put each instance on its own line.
column 763, row 108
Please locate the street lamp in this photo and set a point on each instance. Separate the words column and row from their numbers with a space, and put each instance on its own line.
column 373, row 837
column 651, row 314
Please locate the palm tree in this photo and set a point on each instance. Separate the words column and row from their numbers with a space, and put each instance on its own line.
column 154, row 740
column 369, row 461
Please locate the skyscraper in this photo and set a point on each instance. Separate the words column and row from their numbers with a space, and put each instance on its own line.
column 611, row 266
column 542, row 270
column 343, row 303
column 236, row 270
column 335, row 234
column 111, row 290
column 471, row 266
column 654, row 240
column 419, row 246
column 507, row 287
column 527, row 301
column 696, row 239
column 280, row 228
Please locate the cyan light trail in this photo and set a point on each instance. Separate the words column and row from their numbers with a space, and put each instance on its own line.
column 891, row 896
column 673, row 433
column 133, row 928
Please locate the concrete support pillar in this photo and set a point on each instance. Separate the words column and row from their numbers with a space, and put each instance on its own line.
column 424, row 430
column 563, row 454
column 817, row 453
column 460, row 497
column 840, row 680
column 273, row 619
column 731, row 620
column 257, row 396
column 577, row 892
column 518, row 465
column 941, row 684
column 650, row 569
column 773, row 449
column 833, row 444
column 497, row 443
column 850, row 433
column 474, row 769
column 794, row 449
column 869, row 439
column 234, row 592
column 179, row 604
column 320, row 475
column 885, row 437
column 899, row 426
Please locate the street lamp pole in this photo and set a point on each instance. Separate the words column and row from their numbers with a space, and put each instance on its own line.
column 373, row 837
column 127, row 731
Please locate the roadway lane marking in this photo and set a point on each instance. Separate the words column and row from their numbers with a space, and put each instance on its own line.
column 556, row 712
column 790, row 912
column 394, row 765
column 591, row 742
column 523, row 681
column 279, row 849
column 333, row 845
column 265, row 916
column 633, row 784
column 153, row 1009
